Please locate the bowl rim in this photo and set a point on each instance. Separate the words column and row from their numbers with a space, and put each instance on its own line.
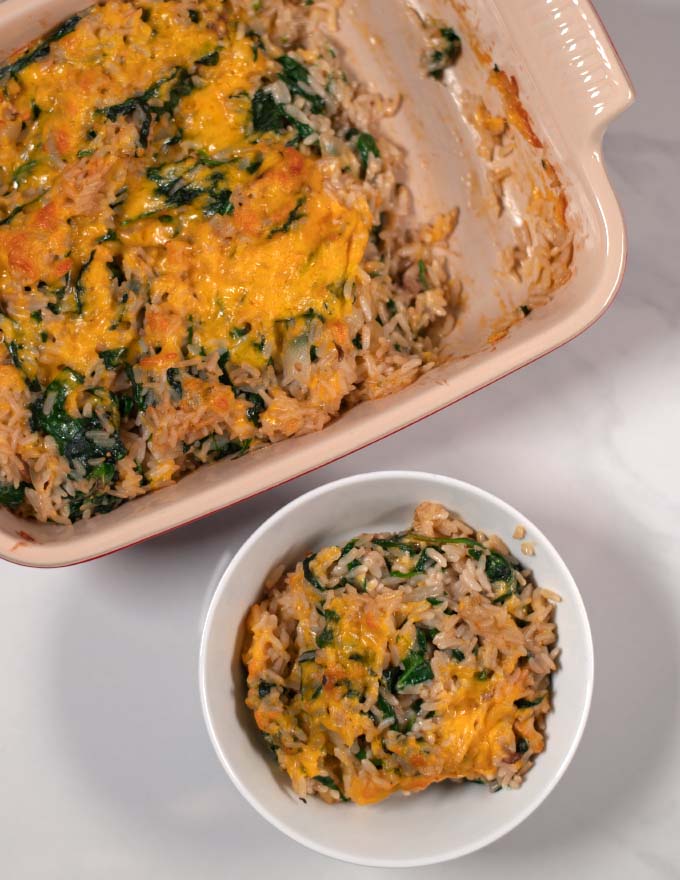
column 222, row 581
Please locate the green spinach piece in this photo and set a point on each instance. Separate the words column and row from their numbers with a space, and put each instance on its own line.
column 296, row 77
column 418, row 568
column 96, row 503
column 209, row 60
column 19, row 208
column 350, row 545
column 325, row 637
column 173, row 380
column 295, row 214
column 182, row 85
column 365, row 147
column 523, row 703
column 113, row 357
column 255, row 164
column 306, row 656
column 446, row 55
column 269, row 115
column 74, row 435
column 12, row 496
column 422, row 275
column 394, row 542
column 330, row 783
column 257, row 407
column 386, row 709
column 13, row 348
column 43, row 47
column 263, row 689
column 498, row 568
column 140, row 396
column 23, row 170
column 417, row 668
column 222, row 447
column 183, row 183
column 309, row 574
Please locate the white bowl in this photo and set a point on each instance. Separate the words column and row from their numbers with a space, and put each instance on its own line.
column 445, row 821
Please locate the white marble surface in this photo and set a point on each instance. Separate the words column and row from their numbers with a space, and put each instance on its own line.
column 105, row 767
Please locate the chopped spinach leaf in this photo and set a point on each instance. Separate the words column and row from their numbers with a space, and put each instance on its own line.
column 330, row 783
column 422, row 275
column 113, row 357
column 268, row 114
column 139, row 394
column 209, row 60
column 255, row 164
column 350, row 545
column 257, row 407
column 13, row 348
column 78, row 439
column 309, row 574
column 42, row 49
column 446, row 54
column 417, row 668
column 19, row 208
column 263, row 689
column 240, row 332
column 325, row 637
column 12, row 496
column 23, row 170
column 222, row 446
column 295, row 215
column 498, row 568
column 365, row 147
column 182, row 85
column 94, row 502
column 173, row 380
column 296, row 77
column 523, row 703
column 306, row 656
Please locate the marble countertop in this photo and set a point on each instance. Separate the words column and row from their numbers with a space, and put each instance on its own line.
column 106, row 769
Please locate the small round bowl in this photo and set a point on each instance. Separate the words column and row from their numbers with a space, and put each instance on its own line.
column 445, row 821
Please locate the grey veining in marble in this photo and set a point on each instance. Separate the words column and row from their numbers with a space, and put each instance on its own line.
column 105, row 767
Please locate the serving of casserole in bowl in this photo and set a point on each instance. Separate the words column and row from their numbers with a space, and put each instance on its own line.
column 238, row 241
column 396, row 668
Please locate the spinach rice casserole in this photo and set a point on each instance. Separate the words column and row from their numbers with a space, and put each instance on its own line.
column 203, row 246
column 402, row 660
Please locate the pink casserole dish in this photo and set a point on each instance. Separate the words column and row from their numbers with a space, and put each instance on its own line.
column 572, row 85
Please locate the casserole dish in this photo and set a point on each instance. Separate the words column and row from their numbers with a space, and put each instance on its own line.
column 447, row 165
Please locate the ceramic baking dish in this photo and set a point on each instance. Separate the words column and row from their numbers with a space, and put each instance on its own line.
column 571, row 84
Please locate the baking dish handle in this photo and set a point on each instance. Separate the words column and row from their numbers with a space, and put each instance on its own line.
column 593, row 86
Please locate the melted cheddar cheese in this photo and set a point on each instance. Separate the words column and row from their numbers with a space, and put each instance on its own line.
column 166, row 236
